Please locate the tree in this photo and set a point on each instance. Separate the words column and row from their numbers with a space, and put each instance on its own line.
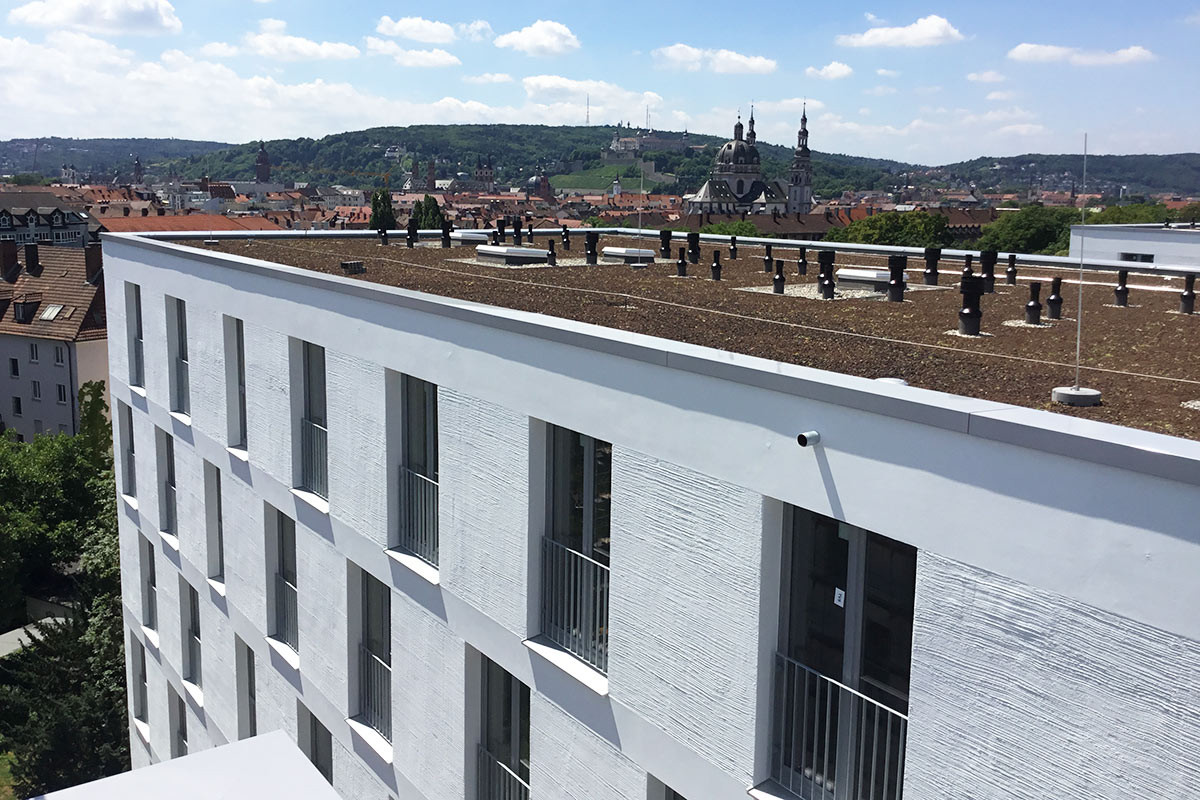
column 428, row 213
column 741, row 227
column 1033, row 229
column 383, row 216
column 901, row 229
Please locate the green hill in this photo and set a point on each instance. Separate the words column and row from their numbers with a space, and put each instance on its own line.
column 101, row 157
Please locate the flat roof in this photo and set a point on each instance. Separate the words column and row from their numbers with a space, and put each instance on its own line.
column 1144, row 357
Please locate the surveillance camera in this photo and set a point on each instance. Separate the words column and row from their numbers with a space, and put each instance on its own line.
column 807, row 438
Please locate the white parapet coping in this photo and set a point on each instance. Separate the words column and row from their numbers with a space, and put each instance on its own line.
column 627, row 252
column 863, row 275
column 469, row 236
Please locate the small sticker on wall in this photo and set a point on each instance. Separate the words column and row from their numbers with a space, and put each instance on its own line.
column 839, row 598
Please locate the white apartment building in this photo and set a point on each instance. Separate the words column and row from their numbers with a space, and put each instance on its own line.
column 1175, row 244
column 463, row 551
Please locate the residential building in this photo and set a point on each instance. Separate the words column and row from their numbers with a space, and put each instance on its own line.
column 50, row 225
column 1177, row 244
column 475, row 552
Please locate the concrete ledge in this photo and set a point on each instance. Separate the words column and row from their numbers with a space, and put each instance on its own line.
column 468, row 236
column 877, row 279
column 627, row 255
column 569, row 663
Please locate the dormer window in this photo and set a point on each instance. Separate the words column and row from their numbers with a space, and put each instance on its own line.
column 57, row 219
column 32, row 218
column 5, row 221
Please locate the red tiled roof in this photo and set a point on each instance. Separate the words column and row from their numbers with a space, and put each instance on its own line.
column 61, row 280
column 187, row 222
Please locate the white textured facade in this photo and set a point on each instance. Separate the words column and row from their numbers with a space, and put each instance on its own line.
column 1056, row 619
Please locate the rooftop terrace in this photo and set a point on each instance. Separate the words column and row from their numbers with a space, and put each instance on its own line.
column 1143, row 357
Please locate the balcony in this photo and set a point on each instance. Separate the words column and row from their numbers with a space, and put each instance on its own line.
column 314, row 458
column 182, row 398
column 831, row 742
column 419, row 515
column 496, row 781
column 287, row 626
column 375, row 691
column 575, row 603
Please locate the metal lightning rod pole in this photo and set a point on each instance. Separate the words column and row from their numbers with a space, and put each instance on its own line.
column 1082, row 239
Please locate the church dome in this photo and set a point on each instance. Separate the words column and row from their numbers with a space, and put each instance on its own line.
column 737, row 151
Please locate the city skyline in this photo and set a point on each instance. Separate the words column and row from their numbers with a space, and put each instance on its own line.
column 913, row 82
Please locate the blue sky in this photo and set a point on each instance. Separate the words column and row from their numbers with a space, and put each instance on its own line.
column 913, row 81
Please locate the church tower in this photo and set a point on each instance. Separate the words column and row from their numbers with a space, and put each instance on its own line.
column 799, row 199
column 262, row 165
column 139, row 174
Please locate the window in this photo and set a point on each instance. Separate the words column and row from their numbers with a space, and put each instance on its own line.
column 503, row 770
column 14, row 368
column 575, row 551
column 191, row 634
column 128, row 460
column 133, row 329
column 286, row 621
column 375, row 656
column 845, row 653
column 235, row 381
column 167, row 503
column 1143, row 258
column 177, row 347
column 247, row 690
column 60, row 355
column 178, row 709
column 214, row 522
column 314, row 460
column 16, row 406
column 149, row 587
column 62, row 393
column 51, row 311
column 37, row 426
column 140, row 712
column 36, row 388
column 316, row 742
column 419, row 472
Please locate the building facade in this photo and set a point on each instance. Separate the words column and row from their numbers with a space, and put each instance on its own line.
column 43, row 225
column 1141, row 244
column 460, row 551
column 737, row 185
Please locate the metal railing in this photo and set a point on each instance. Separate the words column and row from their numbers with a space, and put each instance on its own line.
column 575, row 602
column 419, row 515
column 195, row 673
column 182, row 388
column 130, row 474
column 314, row 458
column 496, row 781
column 170, row 510
column 831, row 742
column 137, row 367
column 287, row 625
column 375, row 691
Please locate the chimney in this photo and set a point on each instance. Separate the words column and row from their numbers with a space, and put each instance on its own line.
column 8, row 258
column 145, row 212
column 32, row 265
column 125, row 211
column 162, row 212
column 93, row 262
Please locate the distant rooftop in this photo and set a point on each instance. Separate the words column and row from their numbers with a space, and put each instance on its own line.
column 1144, row 357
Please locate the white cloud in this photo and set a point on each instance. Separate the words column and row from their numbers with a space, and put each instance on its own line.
column 864, row 111
column 830, row 72
column 115, row 17
column 886, row 73
column 418, row 29
column 691, row 59
column 996, row 115
column 489, row 77
column 605, row 97
column 790, row 105
column 1001, row 95
column 1023, row 129
column 273, row 41
column 411, row 58
column 989, row 76
column 880, row 91
column 219, row 50
column 475, row 31
column 1047, row 53
column 874, row 20
column 543, row 38
column 1192, row 19
column 925, row 32
column 927, row 90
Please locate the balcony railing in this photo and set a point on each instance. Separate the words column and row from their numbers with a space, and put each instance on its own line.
column 833, row 743
column 130, row 474
column 287, row 626
column 182, row 388
column 375, row 691
column 314, row 458
column 195, row 673
column 419, row 515
column 496, row 781
column 137, row 365
column 170, row 509
column 575, row 602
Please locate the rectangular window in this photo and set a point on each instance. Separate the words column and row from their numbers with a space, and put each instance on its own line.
column 167, row 502
column 191, row 635
column 140, row 688
column 1143, row 258
column 419, row 472
column 149, row 586
column 503, row 769
column 314, row 458
column 375, row 656
column 33, row 353
column 247, row 690
column 320, row 747
column 845, row 654
column 60, row 355
column 286, row 619
column 36, row 387
column 16, row 406
column 214, row 522
column 235, row 381
column 133, row 330
column 37, row 426
column 128, row 459
column 177, row 346
column 62, row 393
column 575, row 551
column 14, row 368
column 179, row 736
